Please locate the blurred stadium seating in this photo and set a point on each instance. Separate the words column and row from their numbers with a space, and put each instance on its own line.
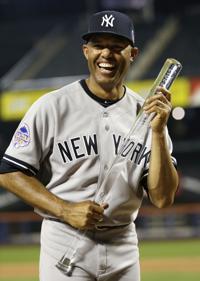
column 40, row 48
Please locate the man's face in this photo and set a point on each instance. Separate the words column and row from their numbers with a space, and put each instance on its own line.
column 108, row 58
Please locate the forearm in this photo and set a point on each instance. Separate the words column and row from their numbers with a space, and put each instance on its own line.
column 81, row 215
column 162, row 179
column 33, row 192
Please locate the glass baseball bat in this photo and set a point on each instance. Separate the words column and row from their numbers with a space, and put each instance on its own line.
column 168, row 73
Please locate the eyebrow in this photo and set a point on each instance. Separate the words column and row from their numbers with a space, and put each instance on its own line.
column 115, row 39
column 118, row 42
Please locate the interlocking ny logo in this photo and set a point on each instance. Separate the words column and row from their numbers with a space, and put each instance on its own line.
column 107, row 21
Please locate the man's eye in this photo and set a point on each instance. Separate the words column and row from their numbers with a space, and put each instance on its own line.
column 117, row 49
column 112, row 48
column 97, row 46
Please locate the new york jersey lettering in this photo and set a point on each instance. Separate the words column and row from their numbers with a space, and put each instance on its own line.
column 133, row 150
column 77, row 147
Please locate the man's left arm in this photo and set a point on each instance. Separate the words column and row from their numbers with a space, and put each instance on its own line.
column 162, row 181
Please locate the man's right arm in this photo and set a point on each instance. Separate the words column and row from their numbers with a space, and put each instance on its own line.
column 81, row 215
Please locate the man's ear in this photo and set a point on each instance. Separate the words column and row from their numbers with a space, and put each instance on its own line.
column 134, row 53
column 85, row 50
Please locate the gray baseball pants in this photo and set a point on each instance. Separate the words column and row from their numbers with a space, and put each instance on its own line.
column 106, row 255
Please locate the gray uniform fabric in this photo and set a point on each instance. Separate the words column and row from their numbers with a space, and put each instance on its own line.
column 101, row 255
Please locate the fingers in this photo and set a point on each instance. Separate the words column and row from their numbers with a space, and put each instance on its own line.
column 86, row 214
column 105, row 205
column 97, row 208
column 159, row 103
column 97, row 217
column 95, row 214
column 159, row 96
column 164, row 92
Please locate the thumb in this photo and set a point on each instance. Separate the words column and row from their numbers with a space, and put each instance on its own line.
column 104, row 205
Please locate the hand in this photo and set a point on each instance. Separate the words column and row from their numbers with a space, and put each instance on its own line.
column 161, row 105
column 84, row 215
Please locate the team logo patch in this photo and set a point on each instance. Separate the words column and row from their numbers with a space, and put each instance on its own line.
column 22, row 136
column 107, row 21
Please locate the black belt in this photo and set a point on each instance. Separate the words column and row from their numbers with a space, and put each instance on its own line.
column 53, row 219
column 98, row 227
column 109, row 227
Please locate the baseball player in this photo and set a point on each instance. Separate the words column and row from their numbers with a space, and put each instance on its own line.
column 63, row 148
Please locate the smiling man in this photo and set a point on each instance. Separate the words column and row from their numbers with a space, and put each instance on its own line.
column 63, row 149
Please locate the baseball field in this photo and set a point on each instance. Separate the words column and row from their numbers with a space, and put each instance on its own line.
column 160, row 261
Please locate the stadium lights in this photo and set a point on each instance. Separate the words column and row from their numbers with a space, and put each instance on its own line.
column 178, row 113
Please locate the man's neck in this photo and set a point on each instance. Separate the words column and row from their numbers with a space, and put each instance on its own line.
column 106, row 93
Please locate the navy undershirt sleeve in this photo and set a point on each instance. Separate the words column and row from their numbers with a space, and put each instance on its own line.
column 6, row 167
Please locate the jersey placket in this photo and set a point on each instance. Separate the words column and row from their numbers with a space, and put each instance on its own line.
column 104, row 143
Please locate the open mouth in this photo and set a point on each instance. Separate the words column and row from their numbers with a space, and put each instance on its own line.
column 106, row 67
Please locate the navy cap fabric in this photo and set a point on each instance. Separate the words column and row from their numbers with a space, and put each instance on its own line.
column 111, row 22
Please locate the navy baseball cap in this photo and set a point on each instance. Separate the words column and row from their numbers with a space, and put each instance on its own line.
column 110, row 22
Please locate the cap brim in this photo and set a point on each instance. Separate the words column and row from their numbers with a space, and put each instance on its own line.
column 87, row 36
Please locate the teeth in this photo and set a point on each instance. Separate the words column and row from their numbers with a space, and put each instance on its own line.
column 104, row 64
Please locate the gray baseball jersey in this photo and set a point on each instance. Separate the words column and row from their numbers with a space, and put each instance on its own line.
column 69, row 141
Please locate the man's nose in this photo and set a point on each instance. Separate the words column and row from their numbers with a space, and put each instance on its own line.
column 106, row 52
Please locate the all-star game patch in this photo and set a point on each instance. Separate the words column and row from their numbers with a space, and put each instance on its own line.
column 22, row 136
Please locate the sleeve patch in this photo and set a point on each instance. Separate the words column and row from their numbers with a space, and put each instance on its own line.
column 22, row 137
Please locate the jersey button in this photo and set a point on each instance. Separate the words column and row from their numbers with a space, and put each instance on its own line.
column 102, row 194
column 105, row 167
column 105, row 114
column 107, row 127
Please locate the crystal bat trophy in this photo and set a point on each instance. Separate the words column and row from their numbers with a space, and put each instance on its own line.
column 138, row 130
column 168, row 73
